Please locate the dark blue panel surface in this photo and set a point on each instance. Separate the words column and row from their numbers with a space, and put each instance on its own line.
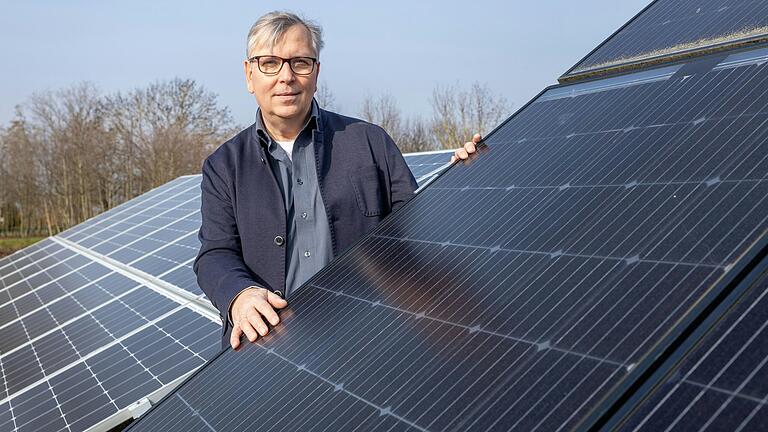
column 722, row 383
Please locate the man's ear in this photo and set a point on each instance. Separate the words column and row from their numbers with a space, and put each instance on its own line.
column 248, row 72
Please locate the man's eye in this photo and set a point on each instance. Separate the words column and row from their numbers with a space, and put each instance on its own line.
column 301, row 63
column 269, row 64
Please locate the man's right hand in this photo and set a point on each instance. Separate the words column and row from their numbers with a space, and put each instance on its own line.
column 250, row 309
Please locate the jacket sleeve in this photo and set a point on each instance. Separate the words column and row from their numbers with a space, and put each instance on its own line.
column 402, row 183
column 221, row 271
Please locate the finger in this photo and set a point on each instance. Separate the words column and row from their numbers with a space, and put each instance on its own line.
column 265, row 309
column 477, row 138
column 276, row 301
column 470, row 147
column 234, row 338
column 254, row 318
column 248, row 329
column 462, row 154
column 454, row 158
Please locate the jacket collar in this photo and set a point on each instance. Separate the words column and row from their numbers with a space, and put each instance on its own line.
column 314, row 121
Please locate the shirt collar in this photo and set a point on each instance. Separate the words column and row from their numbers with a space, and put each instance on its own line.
column 261, row 130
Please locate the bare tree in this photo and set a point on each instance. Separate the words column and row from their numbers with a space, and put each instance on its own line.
column 416, row 136
column 384, row 112
column 74, row 153
column 166, row 130
column 325, row 97
column 22, row 195
column 458, row 114
column 68, row 126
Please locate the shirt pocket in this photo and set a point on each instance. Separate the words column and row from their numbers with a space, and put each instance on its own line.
column 366, row 184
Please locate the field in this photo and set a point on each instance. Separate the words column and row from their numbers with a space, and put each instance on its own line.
column 12, row 244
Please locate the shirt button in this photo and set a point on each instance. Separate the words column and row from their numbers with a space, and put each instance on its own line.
column 307, row 254
column 304, row 215
column 279, row 240
column 300, row 181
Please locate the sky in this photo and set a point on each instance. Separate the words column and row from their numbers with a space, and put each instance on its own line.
column 397, row 47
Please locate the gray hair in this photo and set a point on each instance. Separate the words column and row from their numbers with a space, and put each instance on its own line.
column 268, row 30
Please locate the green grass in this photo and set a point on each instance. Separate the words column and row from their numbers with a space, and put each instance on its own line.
column 12, row 244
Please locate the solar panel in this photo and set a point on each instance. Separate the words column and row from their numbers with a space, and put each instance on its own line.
column 426, row 165
column 68, row 316
column 672, row 28
column 64, row 322
column 721, row 383
column 602, row 214
column 55, row 387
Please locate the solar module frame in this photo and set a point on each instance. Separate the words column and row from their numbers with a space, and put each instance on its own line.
column 666, row 347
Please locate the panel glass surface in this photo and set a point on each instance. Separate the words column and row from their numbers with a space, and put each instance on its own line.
column 120, row 368
column 721, row 384
column 146, row 207
column 516, row 291
column 673, row 26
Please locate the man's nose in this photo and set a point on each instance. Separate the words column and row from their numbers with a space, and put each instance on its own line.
column 286, row 73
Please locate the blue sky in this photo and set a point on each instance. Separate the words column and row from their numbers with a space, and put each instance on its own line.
column 402, row 48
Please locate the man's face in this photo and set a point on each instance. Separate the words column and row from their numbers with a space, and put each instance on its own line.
column 285, row 95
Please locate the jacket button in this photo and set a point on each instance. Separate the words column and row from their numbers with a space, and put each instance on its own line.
column 279, row 240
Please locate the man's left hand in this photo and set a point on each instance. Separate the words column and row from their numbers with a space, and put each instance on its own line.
column 469, row 148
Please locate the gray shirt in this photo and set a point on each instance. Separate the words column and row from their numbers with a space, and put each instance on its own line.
column 308, row 246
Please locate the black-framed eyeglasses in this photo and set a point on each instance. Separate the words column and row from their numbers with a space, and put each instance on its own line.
column 271, row 65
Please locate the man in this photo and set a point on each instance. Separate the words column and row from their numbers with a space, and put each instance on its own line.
column 295, row 189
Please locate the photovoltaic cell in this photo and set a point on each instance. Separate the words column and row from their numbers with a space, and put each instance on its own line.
column 518, row 291
column 670, row 27
column 720, row 384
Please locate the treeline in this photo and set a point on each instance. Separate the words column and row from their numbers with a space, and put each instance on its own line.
column 457, row 114
column 71, row 154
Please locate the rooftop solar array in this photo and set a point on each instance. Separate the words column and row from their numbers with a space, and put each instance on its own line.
column 674, row 27
column 108, row 312
column 534, row 288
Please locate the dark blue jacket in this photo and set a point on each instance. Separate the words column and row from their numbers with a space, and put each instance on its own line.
column 362, row 177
